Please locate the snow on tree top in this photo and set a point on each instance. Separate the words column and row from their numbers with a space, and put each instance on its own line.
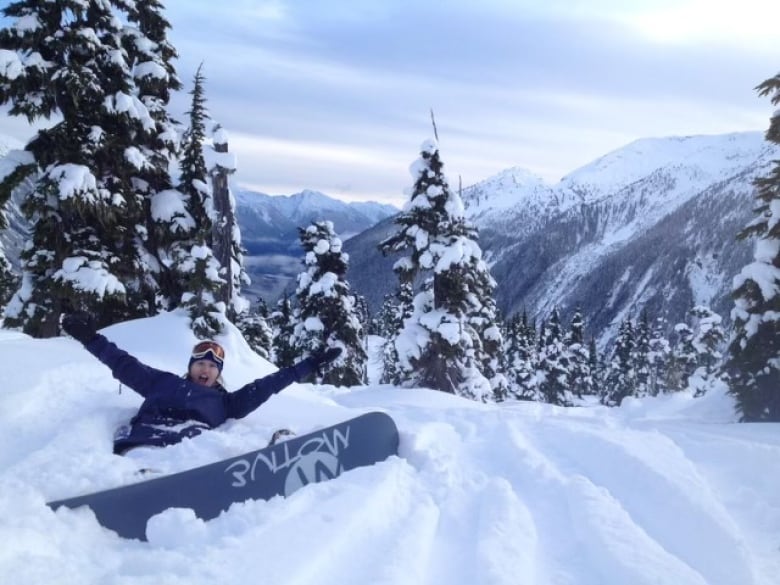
column 73, row 179
column 150, row 69
column 223, row 160
column 169, row 206
column 122, row 103
column 220, row 135
column 10, row 65
column 27, row 23
column 454, row 206
column 458, row 253
column 88, row 35
column 89, row 276
column 418, row 167
column 135, row 157
column 313, row 324
column 429, row 146
column 117, row 58
column 434, row 191
column 312, row 229
column 322, row 247
column 325, row 286
column 145, row 45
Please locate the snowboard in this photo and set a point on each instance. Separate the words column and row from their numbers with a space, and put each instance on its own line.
column 279, row 469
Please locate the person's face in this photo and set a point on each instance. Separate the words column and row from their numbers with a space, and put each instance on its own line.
column 204, row 372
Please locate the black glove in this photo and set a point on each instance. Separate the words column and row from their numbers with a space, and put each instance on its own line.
column 324, row 356
column 315, row 361
column 80, row 326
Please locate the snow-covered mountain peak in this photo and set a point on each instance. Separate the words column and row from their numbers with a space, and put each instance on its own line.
column 309, row 201
column 703, row 158
column 509, row 188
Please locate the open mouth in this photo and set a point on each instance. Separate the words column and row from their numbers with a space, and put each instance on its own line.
column 203, row 380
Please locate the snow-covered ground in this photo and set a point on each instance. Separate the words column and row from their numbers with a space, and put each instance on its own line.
column 663, row 491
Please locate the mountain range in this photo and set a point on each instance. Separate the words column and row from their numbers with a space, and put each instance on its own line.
column 269, row 231
column 650, row 226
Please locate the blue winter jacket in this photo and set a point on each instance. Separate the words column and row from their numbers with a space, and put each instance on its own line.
column 175, row 407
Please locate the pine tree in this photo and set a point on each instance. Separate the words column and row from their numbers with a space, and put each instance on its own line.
column 94, row 172
column 620, row 377
column 754, row 350
column 683, row 358
column 9, row 282
column 193, row 180
column 383, row 322
column 708, row 338
column 522, row 360
column 580, row 381
column 659, row 358
column 400, row 310
column 641, row 356
column 448, row 338
column 282, row 322
column 554, row 364
column 199, row 270
column 596, row 366
column 483, row 316
column 256, row 331
column 150, row 146
column 328, row 314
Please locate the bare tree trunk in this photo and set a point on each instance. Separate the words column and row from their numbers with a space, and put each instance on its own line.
column 222, row 229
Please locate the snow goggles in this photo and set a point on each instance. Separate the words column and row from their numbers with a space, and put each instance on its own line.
column 204, row 348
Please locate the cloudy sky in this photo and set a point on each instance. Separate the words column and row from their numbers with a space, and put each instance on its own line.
column 335, row 95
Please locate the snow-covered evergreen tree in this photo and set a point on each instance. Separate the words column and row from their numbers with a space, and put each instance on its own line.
column 399, row 310
column 383, row 322
column 282, row 322
column 708, row 339
column 640, row 357
column 483, row 316
column 754, row 351
column 95, row 171
column 659, row 358
column 554, row 364
column 447, row 339
column 620, row 377
column 9, row 282
column 684, row 357
column 596, row 366
column 522, row 359
column 580, row 378
column 201, row 270
column 327, row 312
column 255, row 329
column 150, row 145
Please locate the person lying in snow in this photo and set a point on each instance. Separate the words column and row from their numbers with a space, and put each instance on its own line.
column 176, row 407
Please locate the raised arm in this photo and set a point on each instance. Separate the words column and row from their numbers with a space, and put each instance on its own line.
column 245, row 400
column 127, row 369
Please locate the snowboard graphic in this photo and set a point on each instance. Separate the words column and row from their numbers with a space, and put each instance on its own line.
column 276, row 470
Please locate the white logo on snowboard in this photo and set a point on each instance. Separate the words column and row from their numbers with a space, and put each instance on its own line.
column 315, row 460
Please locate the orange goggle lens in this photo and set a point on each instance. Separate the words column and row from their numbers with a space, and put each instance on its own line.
column 204, row 347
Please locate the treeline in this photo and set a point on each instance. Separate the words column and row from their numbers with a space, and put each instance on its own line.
column 560, row 364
